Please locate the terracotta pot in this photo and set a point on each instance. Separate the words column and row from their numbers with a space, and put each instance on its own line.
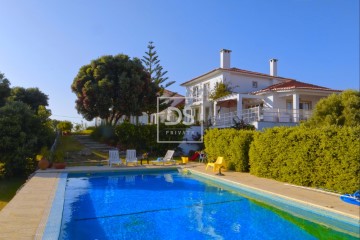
column 59, row 165
column 43, row 164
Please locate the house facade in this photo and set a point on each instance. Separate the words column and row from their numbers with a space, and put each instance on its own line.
column 174, row 100
column 264, row 100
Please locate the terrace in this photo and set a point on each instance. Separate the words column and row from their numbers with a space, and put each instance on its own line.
column 260, row 114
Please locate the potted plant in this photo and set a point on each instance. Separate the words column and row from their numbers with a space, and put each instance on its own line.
column 58, row 160
column 43, row 164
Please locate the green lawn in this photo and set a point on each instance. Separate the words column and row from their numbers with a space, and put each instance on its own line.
column 69, row 144
column 8, row 188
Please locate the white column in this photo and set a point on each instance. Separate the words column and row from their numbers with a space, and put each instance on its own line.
column 296, row 101
column 202, row 112
column 239, row 106
column 215, row 113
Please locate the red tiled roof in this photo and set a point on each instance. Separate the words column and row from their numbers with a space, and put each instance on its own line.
column 257, row 73
column 237, row 70
column 175, row 102
column 293, row 84
column 168, row 93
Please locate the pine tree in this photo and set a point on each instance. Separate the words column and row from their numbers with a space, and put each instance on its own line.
column 156, row 71
column 157, row 74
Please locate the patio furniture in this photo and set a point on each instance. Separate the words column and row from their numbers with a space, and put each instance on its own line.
column 131, row 157
column 114, row 158
column 351, row 198
column 185, row 160
column 166, row 159
column 202, row 157
column 145, row 156
column 216, row 165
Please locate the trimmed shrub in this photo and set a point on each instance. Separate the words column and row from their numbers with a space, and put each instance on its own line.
column 22, row 134
column 143, row 138
column 232, row 144
column 105, row 134
column 325, row 157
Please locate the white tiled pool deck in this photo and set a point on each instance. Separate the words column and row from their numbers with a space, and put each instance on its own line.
column 26, row 215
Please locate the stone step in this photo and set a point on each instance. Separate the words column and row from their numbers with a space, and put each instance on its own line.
column 91, row 144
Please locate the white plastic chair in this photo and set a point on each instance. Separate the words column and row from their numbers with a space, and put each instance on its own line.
column 202, row 157
column 166, row 159
column 131, row 157
column 114, row 158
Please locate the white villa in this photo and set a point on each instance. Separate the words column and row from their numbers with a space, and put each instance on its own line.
column 264, row 100
column 177, row 101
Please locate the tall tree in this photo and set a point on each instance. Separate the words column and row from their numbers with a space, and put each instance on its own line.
column 65, row 126
column 337, row 109
column 112, row 86
column 4, row 89
column 30, row 96
column 154, row 68
column 22, row 134
column 158, row 75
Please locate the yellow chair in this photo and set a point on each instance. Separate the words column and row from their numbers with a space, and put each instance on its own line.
column 185, row 160
column 216, row 165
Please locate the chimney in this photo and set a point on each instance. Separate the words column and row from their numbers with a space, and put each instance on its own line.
column 273, row 67
column 225, row 58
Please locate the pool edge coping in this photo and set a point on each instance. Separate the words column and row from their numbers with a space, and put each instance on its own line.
column 63, row 176
column 278, row 198
column 276, row 194
column 53, row 222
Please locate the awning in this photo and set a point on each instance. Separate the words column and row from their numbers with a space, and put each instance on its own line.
column 227, row 103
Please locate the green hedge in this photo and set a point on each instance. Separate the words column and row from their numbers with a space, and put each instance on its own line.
column 143, row 138
column 325, row 157
column 105, row 134
column 232, row 144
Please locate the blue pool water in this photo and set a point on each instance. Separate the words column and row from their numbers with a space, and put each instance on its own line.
column 169, row 205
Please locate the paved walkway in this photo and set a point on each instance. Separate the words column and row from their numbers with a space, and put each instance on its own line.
column 26, row 215
column 27, row 212
column 329, row 201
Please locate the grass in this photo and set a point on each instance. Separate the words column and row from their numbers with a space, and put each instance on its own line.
column 100, row 154
column 69, row 144
column 8, row 188
column 84, row 132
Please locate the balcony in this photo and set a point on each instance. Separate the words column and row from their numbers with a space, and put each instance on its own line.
column 192, row 100
column 259, row 114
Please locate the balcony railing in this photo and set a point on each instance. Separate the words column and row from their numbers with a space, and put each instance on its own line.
column 191, row 100
column 262, row 115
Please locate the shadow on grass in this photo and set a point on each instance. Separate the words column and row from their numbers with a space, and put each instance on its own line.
column 8, row 188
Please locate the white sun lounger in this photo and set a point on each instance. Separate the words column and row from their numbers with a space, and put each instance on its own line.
column 131, row 157
column 114, row 158
column 166, row 159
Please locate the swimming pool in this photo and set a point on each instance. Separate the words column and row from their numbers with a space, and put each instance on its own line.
column 171, row 205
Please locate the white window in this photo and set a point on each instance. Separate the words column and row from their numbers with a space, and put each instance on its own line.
column 206, row 90
column 305, row 105
column 255, row 84
column 196, row 93
column 289, row 105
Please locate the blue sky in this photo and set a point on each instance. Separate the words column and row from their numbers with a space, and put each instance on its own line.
column 44, row 43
